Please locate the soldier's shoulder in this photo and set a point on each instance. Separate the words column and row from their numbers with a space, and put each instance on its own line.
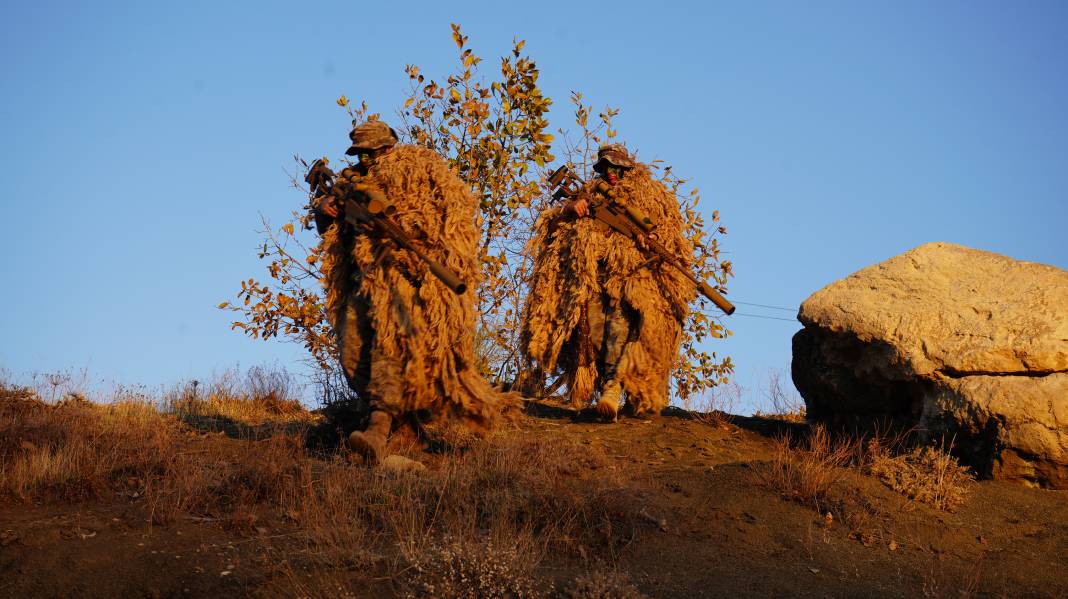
column 413, row 153
column 415, row 159
column 643, row 172
column 647, row 179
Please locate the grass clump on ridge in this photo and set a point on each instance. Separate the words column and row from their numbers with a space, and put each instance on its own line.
column 924, row 474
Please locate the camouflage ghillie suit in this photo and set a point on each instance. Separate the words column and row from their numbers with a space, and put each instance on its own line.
column 598, row 310
column 406, row 340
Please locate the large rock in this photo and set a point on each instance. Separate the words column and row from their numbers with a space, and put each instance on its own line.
column 970, row 346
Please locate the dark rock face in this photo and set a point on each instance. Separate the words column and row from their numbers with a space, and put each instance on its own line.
column 969, row 346
column 845, row 380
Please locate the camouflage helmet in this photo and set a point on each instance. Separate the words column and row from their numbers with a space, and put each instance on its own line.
column 615, row 155
column 371, row 135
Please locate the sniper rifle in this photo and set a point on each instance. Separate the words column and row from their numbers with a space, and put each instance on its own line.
column 630, row 222
column 365, row 207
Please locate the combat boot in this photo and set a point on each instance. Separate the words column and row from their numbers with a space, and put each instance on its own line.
column 371, row 443
column 608, row 404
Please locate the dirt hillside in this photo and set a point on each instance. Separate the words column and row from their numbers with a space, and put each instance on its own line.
column 557, row 506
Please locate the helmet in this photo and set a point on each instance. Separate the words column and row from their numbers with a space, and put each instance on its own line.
column 615, row 155
column 371, row 135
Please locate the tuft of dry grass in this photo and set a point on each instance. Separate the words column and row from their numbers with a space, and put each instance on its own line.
column 76, row 450
column 784, row 401
column 940, row 580
column 263, row 397
column 715, row 405
column 805, row 470
column 457, row 568
column 604, row 584
column 924, row 474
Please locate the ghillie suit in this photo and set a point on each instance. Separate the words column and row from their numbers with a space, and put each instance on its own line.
column 406, row 340
column 599, row 311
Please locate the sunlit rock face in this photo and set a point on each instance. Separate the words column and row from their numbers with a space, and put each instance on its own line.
column 969, row 346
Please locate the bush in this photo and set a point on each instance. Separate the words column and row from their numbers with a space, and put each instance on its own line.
column 924, row 474
column 807, row 472
column 604, row 584
column 458, row 569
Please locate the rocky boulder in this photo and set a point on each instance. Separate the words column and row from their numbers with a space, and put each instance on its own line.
column 968, row 346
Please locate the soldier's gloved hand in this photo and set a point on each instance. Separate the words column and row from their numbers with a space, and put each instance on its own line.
column 642, row 240
column 329, row 206
column 580, row 207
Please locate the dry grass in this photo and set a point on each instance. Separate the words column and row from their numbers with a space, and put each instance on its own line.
column 477, row 522
column 924, row 474
column 714, row 406
column 264, row 396
column 604, row 584
column 782, row 400
column 805, row 470
column 77, row 450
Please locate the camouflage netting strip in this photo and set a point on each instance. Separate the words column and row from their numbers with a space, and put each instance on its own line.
column 423, row 354
column 566, row 254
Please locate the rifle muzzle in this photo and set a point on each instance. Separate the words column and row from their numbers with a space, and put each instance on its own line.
column 447, row 277
column 714, row 296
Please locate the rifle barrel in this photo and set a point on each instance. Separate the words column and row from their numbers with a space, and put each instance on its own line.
column 635, row 223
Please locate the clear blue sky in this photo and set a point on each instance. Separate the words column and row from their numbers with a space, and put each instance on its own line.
column 141, row 140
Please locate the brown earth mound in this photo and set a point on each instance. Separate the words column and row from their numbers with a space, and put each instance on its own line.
column 677, row 507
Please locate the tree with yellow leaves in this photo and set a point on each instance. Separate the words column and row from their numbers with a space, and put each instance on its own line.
column 496, row 135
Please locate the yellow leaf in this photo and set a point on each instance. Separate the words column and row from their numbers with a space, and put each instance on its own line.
column 454, row 95
column 342, row 101
column 288, row 228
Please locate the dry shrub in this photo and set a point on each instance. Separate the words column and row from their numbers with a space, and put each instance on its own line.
column 76, row 450
column 805, row 471
column 783, row 400
column 604, row 584
column 924, row 474
column 264, row 396
column 458, row 568
column 510, row 498
column 714, row 406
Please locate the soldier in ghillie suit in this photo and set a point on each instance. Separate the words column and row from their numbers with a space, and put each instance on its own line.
column 599, row 310
column 406, row 339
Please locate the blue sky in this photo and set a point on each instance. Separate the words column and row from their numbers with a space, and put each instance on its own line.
column 142, row 141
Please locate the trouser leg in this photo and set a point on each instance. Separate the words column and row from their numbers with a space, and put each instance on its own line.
column 355, row 339
column 620, row 329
